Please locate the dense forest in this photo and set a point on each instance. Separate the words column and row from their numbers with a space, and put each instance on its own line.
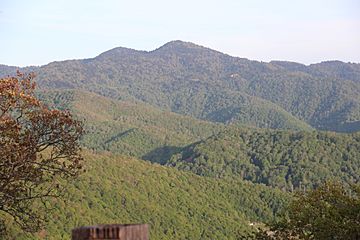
column 282, row 159
column 197, row 143
column 132, row 128
column 176, row 204
column 206, row 84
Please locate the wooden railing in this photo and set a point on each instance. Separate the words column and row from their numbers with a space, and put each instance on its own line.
column 112, row 231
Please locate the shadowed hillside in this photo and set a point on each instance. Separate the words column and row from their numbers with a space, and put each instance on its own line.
column 282, row 159
column 131, row 127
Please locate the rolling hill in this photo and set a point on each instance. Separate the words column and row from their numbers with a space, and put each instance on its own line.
column 279, row 158
column 129, row 127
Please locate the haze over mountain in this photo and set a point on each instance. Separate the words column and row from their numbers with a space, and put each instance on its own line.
column 189, row 79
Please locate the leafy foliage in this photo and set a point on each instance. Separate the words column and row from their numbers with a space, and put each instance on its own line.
column 282, row 159
column 38, row 146
column 176, row 204
column 328, row 212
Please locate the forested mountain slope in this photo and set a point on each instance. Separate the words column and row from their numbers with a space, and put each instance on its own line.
column 197, row 81
column 176, row 204
column 282, row 159
column 130, row 127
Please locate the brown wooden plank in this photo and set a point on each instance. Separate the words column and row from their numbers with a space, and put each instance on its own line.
column 112, row 232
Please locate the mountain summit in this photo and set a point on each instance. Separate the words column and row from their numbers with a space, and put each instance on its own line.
column 190, row 79
column 177, row 46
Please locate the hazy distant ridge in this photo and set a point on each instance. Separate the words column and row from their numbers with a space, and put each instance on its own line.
column 207, row 84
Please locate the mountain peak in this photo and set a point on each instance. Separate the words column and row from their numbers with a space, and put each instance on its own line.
column 118, row 51
column 178, row 45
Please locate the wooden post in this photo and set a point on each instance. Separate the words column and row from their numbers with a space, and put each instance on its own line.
column 112, row 231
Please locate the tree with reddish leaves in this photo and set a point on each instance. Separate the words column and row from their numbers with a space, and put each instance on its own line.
column 39, row 151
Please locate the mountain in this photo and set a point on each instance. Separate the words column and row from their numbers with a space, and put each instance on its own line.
column 11, row 70
column 176, row 204
column 226, row 140
column 189, row 79
column 283, row 159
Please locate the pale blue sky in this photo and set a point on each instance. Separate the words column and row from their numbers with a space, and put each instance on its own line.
column 36, row 32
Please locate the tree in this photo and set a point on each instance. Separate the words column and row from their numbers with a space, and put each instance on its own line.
column 328, row 212
column 39, row 150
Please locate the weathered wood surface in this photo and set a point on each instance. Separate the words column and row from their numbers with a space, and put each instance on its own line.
column 112, row 231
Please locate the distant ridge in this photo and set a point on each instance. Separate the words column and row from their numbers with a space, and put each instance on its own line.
column 193, row 80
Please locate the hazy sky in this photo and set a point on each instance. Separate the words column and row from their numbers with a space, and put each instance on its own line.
column 36, row 32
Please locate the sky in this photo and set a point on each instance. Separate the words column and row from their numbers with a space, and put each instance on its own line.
column 36, row 32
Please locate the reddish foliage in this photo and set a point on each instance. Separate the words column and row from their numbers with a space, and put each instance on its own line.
column 38, row 148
